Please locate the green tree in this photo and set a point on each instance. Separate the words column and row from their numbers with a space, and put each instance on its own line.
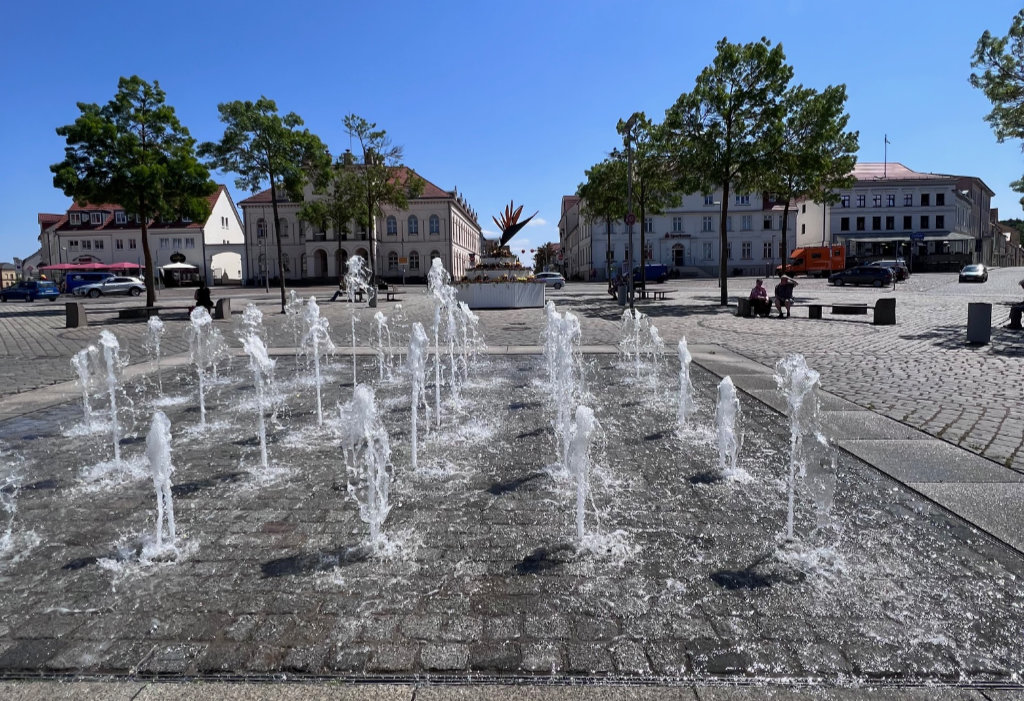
column 604, row 196
column 654, row 188
column 723, row 132
column 134, row 152
column 338, row 200
column 261, row 146
column 814, row 155
column 386, row 182
column 1002, row 81
column 545, row 255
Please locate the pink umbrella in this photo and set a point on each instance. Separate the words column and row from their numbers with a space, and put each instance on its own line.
column 123, row 266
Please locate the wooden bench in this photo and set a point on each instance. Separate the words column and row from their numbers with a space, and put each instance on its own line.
column 389, row 294
column 653, row 294
column 884, row 310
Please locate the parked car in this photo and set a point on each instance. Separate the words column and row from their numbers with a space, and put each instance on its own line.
column 862, row 275
column 77, row 279
column 31, row 290
column 898, row 267
column 551, row 279
column 113, row 286
column 975, row 272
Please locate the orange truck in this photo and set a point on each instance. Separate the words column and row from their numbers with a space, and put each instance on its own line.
column 815, row 261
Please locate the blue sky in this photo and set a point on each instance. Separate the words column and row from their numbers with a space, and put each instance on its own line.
column 504, row 100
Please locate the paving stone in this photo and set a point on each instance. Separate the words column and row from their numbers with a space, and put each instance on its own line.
column 392, row 658
column 447, row 657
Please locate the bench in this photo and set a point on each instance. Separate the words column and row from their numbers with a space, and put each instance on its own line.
column 884, row 310
column 390, row 293
column 745, row 308
column 146, row 312
column 653, row 294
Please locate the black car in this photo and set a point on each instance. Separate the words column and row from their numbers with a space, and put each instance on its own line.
column 975, row 272
column 898, row 267
column 876, row 275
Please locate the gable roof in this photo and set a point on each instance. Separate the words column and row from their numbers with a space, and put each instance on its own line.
column 109, row 222
column 430, row 190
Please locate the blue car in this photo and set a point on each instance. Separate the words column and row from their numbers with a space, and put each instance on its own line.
column 31, row 290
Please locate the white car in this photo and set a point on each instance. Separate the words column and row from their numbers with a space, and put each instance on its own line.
column 551, row 279
column 113, row 286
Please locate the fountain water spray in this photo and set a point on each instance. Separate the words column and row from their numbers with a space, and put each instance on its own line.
column 367, row 453
column 799, row 384
column 8, row 507
column 84, row 361
column 262, row 367
column 385, row 352
column 155, row 332
column 417, row 363
column 252, row 320
column 357, row 278
column 113, row 362
column 443, row 294
column 317, row 341
column 579, row 463
column 687, row 407
column 158, row 450
column 561, row 349
column 295, row 320
column 205, row 345
column 639, row 338
column 726, row 418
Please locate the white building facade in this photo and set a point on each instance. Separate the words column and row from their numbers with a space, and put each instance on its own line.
column 437, row 224
column 686, row 238
column 108, row 234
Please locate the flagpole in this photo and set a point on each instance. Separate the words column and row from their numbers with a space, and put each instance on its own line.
column 885, row 156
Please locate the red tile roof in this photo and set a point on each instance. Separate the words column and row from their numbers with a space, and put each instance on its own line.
column 111, row 208
column 430, row 190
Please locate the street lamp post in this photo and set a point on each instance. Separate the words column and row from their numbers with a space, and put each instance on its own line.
column 629, row 209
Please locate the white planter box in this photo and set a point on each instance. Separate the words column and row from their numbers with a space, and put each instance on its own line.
column 502, row 295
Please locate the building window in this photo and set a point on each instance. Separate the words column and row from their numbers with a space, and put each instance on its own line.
column 862, row 201
column 391, row 226
column 392, row 256
column 648, row 250
column 119, row 244
column 844, row 224
column 803, row 228
column 73, row 244
column 705, row 224
column 414, row 260
column 223, row 222
column 890, row 223
column 745, row 250
column 96, row 218
column 876, row 200
column 649, row 225
column 844, row 201
column 98, row 244
column 940, row 199
column 728, row 250
column 709, row 199
column 86, row 245
column 925, row 199
column 120, row 217
column 677, row 224
column 747, row 222
column 708, row 251
column 414, row 229
column 766, row 250
column 132, row 243
column 435, row 225
column 908, row 222
column 924, row 221
column 190, row 242
column 261, row 228
column 908, row 200
column 187, row 220
column 165, row 243
column 177, row 244
column 940, row 220
column 767, row 225
column 282, row 227
column 728, row 223
column 742, row 199
column 890, row 200
column 876, row 223
column 861, row 224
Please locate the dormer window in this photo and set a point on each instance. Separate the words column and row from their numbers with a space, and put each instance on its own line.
column 76, row 218
column 96, row 218
column 187, row 220
column 120, row 217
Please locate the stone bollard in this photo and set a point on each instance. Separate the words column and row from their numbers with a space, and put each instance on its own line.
column 74, row 315
column 885, row 312
column 222, row 310
column 979, row 322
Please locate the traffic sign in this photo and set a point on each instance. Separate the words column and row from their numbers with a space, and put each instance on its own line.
column 630, row 219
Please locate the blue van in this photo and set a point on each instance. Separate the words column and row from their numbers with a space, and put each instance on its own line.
column 653, row 272
column 31, row 290
column 74, row 280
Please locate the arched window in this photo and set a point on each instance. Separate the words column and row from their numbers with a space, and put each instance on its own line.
column 286, row 263
column 414, row 225
column 392, row 257
column 261, row 228
column 435, row 224
column 392, row 226
column 414, row 260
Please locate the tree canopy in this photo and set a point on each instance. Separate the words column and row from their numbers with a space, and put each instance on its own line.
column 723, row 132
column 261, row 146
column 1002, row 81
column 134, row 152
column 385, row 180
column 604, row 195
column 339, row 200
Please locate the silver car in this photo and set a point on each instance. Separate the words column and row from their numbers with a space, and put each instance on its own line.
column 551, row 279
column 112, row 286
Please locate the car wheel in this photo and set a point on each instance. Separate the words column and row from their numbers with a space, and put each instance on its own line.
column 94, row 293
column 135, row 292
column 53, row 299
column 877, row 283
column 840, row 282
column 3, row 298
column 558, row 285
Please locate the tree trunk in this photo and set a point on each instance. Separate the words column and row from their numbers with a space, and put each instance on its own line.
column 643, row 244
column 723, row 266
column 147, row 258
column 277, row 237
column 785, row 226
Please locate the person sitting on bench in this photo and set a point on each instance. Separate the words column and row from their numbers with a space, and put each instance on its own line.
column 784, row 294
column 1016, row 311
column 759, row 301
